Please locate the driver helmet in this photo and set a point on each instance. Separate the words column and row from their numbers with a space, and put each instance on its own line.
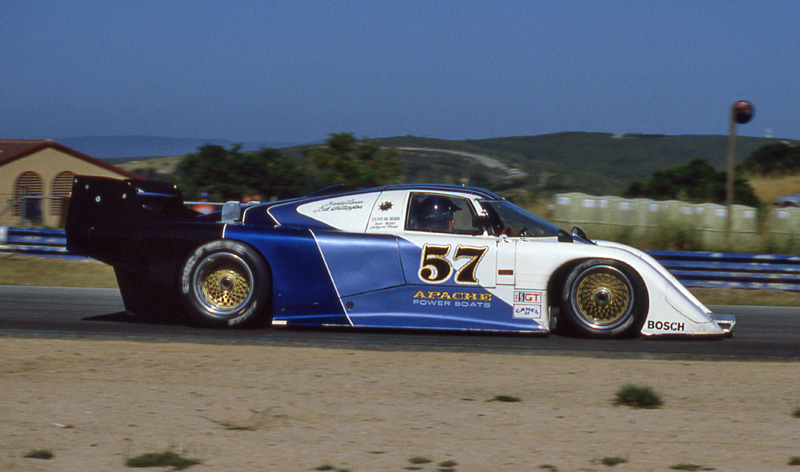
column 435, row 213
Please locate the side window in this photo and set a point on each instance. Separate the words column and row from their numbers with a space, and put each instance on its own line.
column 440, row 214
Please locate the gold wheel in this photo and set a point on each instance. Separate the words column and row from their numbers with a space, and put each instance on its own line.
column 602, row 297
column 223, row 283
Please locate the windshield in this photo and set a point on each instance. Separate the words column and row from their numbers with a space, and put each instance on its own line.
column 511, row 220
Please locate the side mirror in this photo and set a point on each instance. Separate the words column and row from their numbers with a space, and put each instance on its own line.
column 564, row 237
column 230, row 212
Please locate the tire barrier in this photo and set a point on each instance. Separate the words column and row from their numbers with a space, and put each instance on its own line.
column 607, row 216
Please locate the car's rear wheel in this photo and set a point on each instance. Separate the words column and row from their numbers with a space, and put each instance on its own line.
column 225, row 284
column 604, row 299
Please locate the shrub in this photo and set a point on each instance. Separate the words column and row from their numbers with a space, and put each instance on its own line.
column 162, row 459
column 689, row 467
column 614, row 460
column 505, row 398
column 45, row 454
column 637, row 397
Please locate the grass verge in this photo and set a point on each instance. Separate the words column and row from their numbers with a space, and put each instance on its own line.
column 54, row 272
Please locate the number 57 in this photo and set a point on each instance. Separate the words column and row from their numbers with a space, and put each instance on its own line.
column 435, row 267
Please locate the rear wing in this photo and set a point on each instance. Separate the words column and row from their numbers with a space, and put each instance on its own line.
column 101, row 205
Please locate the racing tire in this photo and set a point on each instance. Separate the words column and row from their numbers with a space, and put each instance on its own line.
column 604, row 299
column 226, row 284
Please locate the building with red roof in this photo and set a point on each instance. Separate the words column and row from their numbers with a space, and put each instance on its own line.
column 36, row 179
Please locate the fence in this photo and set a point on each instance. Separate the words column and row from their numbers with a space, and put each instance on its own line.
column 33, row 210
column 693, row 269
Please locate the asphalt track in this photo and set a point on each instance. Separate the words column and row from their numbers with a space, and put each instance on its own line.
column 760, row 333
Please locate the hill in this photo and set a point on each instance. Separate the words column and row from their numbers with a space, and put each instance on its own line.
column 596, row 163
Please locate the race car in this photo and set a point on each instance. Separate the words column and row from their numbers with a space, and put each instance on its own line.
column 429, row 257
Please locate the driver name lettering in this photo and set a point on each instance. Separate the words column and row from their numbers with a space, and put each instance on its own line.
column 384, row 222
column 341, row 205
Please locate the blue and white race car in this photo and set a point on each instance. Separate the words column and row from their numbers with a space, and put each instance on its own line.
column 405, row 257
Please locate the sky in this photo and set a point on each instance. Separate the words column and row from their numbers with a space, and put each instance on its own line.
column 295, row 71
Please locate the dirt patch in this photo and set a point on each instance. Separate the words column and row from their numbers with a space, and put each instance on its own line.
column 264, row 408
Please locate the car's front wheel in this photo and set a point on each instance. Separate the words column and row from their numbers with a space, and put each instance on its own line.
column 225, row 284
column 604, row 299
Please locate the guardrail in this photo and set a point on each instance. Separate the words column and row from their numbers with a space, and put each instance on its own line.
column 732, row 270
column 693, row 269
column 34, row 241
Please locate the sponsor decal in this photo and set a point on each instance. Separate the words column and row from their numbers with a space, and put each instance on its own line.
column 528, row 311
column 452, row 299
column 666, row 326
column 527, row 304
column 341, row 205
column 522, row 296
column 385, row 206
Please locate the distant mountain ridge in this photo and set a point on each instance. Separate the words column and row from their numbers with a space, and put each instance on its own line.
column 114, row 147
column 596, row 163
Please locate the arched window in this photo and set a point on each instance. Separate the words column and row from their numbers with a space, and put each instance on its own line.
column 62, row 187
column 27, row 184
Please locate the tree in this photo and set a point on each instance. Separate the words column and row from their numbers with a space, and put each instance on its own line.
column 777, row 158
column 230, row 174
column 358, row 164
column 696, row 181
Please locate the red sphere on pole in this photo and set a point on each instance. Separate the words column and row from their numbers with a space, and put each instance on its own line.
column 743, row 111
